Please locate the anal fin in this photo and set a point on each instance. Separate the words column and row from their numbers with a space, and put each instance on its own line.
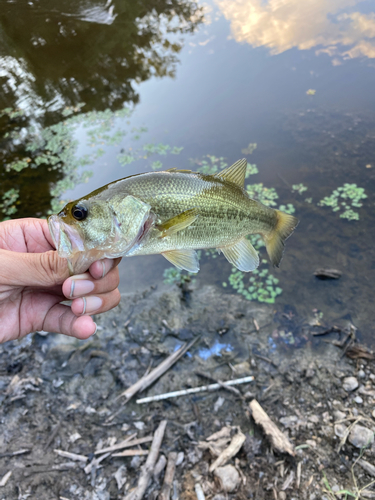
column 177, row 223
column 242, row 255
column 183, row 259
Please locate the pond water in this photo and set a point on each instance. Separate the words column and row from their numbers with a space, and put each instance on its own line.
column 114, row 88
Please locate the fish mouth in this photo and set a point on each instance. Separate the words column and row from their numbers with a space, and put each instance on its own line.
column 66, row 238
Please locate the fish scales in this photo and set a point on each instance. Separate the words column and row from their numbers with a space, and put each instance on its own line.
column 225, row 212
column 172, row 213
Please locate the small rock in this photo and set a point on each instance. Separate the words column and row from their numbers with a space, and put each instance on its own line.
column 372, row 376
column 242, row 368
column 340, row 430
column 120, row 476
column 361, row 374
column 136, row 462
column 228, row 477
column 289, row 422
column 373, row 413
column 339, row 415
column 314, row 419
column 219, row 402
column 361, row 436
column 311, row 443
column 180, row 458
column 219, row 497
column 350, row 384
column 139, row 425
column 358, row 400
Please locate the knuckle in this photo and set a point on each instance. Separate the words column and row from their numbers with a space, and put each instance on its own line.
column 53, row 268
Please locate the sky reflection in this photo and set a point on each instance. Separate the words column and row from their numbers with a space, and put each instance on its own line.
column 338, row 28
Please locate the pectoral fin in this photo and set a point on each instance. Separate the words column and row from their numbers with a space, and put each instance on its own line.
column 177, row 223
column 242, row 255
column 183, row 259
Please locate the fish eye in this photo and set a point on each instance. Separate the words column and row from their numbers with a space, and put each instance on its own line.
column 79, row 212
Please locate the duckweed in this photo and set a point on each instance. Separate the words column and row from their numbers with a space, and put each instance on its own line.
column 172, row 276
column 8, row 203
column 209, row 166
column 299, row 188
column 345, row 198
column 250, row 148
column 267, row 196
column 146, row 151
column 261, row 286
column 288, row 208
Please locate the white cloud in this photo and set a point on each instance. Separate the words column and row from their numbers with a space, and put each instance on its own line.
column 284, row 24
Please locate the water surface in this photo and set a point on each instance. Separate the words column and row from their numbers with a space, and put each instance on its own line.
column 295, row 78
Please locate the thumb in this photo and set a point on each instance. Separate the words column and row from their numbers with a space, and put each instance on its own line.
column 32, row 269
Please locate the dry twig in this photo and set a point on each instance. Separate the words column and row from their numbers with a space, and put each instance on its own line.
column 127, row 443
column 148, row 468
column 199, row 492
column 131, row 453
column 278, row 440
column 72, row 456
column 168, row 477
column 194, row 390
column 229, row 452
column 221, row 383
column 5, row 478
column 148, row 379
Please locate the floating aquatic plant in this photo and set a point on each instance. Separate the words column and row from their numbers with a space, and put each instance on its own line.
column 267, row 196
column 172, row 276
column 209, row 166
column 146, row 151
column 8, row 203
column 345, row 198
column 250, row 148
column 288, row 208
column 299, row 188
column 260, row 284
column 251, row 169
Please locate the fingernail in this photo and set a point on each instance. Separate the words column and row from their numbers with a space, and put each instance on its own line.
column 96, row 329
column 103, row 265
column 81, row 287
column 91, row 304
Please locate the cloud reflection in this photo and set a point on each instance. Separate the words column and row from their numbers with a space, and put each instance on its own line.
column 284, row 24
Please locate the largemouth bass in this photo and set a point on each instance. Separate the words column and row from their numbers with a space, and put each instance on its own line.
column 174, row 213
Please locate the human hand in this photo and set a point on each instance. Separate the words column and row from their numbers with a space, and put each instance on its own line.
column 34, row 280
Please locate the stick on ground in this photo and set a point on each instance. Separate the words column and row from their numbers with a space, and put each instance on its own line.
column 278, row 440
column 229, row 452
column 127, row 443
column 148, row 468
column 165, row 492
column 194, row 390
column 157, row 372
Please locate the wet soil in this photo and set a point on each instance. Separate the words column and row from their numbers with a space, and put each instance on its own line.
column 59, row 393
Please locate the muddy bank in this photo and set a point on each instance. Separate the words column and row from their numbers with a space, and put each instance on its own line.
column 61, row 394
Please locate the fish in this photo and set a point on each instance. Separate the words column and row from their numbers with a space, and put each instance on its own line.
column 173, row 213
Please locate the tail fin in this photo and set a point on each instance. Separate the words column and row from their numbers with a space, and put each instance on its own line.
column 284, row 227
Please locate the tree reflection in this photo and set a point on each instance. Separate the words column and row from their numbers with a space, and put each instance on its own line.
column 85, row 55
column 91, row 51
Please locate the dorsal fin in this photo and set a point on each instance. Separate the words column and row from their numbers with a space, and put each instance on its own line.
column 175, row 170
column 235, row 173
